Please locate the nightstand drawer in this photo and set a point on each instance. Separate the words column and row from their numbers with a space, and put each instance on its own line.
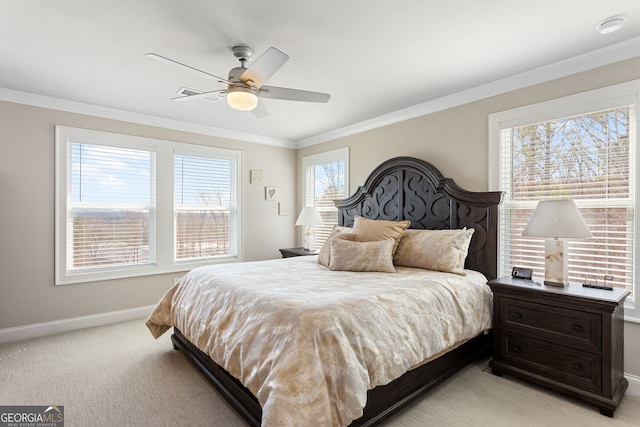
column 561, row 325
column 569, row 366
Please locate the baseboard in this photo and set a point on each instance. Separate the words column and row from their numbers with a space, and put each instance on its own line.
column 634, row 385
column 35, row 330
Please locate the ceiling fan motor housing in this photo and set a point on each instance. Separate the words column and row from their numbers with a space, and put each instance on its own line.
column 234, row 76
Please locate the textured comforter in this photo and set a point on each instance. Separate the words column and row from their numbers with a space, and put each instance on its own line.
column 309, row 342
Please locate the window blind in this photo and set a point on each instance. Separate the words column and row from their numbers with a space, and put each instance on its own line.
column 204, row 204
column 587, row 158
column 325, row 183
column 111, row 206
column 129, row 206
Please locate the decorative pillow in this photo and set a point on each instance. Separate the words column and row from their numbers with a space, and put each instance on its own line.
column 324, row 255
column 362, row 256
column 370, row 230
column 439, row 250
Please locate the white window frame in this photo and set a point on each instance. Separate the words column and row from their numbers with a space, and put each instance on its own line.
column 324, row 157
column 164, row 241
column 600, row 99
column 234, row 216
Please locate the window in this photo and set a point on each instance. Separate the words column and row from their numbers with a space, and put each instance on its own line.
column 582, row 147
column 111, row 207
column 324, row 181
column 129, row 206
column 204, row 199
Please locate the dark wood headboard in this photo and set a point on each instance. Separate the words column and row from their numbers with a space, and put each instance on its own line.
column 406, row 188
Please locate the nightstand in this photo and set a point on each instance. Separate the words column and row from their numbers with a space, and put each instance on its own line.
column 291, row 252
column 568, row 339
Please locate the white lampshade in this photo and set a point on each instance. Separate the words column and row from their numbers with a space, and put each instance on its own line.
column 559, row 219
column 556, row 221
column 242, row 98
column 309, row 216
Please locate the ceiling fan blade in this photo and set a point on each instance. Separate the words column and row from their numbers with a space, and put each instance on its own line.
column 264, row 67
column 293, row 94
column 213, row 95
column 261, row 110
column 201, row 73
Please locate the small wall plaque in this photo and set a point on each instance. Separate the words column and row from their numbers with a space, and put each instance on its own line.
column 255, row 176
column 283, row 208
column 270, row 193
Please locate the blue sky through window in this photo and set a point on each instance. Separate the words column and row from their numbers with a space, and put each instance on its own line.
column 105, row 175
column 329, row 175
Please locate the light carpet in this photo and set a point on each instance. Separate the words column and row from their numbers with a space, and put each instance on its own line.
column 118, row 375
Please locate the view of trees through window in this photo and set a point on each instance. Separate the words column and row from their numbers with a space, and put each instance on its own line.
column 328, row 184
column 202, row 201
column 586, row 158
column 110, row 237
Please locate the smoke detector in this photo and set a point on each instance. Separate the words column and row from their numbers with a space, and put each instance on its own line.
column 611, row 24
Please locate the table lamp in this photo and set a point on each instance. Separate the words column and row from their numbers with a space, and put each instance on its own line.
column 556, row 221
column 309, row 217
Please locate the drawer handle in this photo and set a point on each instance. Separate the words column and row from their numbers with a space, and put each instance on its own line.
column 516, row 315
column 516, row 349
column 577, row 328
column 577, row 367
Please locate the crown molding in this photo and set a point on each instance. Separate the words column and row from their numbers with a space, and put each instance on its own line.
column 608, row 55
column 60, row 104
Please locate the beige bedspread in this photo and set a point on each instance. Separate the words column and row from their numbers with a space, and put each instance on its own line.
column 309, row 342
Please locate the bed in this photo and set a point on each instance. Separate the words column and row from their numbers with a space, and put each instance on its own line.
column 325, row 387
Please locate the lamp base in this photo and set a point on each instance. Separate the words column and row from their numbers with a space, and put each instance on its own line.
column 309, row 238
column 555, row 263
column 556, row 284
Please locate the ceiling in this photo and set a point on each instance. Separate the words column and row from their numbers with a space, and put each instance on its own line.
column 374, row 57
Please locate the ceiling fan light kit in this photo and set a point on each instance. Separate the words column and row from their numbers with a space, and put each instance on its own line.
column 242, row 98
column 245, row 86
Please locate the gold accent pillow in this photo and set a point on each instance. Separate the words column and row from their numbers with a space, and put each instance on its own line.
column 362, row 256
column 439, row 250
column 369, row 230
column 324, row 256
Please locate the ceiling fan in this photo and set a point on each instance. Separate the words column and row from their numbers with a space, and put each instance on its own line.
column 245, row 86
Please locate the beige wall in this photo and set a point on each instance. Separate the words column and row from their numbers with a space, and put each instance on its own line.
column 27, row 291
column 456, row 142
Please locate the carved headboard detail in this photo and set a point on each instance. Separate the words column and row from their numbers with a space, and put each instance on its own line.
column 407, row 188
